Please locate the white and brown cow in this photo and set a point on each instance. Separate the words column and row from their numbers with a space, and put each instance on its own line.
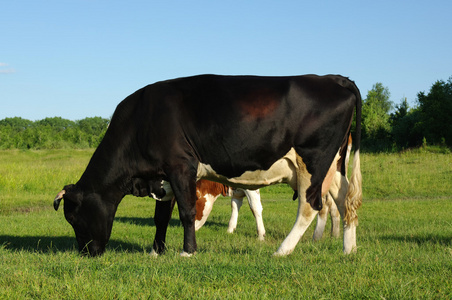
column 209, row 191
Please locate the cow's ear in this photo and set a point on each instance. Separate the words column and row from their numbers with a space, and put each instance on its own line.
column 68, row 189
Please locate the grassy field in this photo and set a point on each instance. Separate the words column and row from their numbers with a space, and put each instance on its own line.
column 404, row 240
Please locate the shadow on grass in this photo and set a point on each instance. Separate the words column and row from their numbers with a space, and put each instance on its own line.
column 48, row 245
column 173, row 222
column 144, row 221
column 42, row 244
column 420, row 239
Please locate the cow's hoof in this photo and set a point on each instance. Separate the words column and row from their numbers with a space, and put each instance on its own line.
column 280, row 253
column 350, row 251
column 154, row 253
column 186, row 254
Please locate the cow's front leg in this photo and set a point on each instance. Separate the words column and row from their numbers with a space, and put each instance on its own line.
column 187, row 214
column 162, row 216
column 184, row 188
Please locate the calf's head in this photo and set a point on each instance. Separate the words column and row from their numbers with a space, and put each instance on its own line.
column 90, row 217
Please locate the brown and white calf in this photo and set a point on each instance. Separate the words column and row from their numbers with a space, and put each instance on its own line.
column 207, row 193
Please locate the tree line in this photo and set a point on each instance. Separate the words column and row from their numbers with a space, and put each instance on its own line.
column 385, row 127
column 389, row 128
column 51, row 133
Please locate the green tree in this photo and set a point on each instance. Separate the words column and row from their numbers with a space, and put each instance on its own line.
column 16, row 123
column 375, row 116
column 404, row 126
column 400, row 111
column 94, row 129
column 95, row 125
column 436, row 113
column 51, row 133
column 57, row 123
column 6, row 141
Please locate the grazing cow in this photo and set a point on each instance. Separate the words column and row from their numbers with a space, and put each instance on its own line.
column 243, row 131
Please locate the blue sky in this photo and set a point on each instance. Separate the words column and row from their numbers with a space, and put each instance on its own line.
column 77, row 59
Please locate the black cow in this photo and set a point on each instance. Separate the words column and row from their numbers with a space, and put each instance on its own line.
column 244, row 131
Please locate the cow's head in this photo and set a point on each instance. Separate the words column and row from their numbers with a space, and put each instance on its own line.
column 91, row 218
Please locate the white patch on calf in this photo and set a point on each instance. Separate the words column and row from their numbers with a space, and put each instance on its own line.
column 254, row 201
column 210, row 199
column 236, row 203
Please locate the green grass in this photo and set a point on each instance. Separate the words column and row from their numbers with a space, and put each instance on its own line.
column 410, row 174
column 404, row 240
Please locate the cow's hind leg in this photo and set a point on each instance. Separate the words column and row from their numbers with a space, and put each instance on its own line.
column 329, row 206
column 335, row 220
column 348, row 199
column 305, row 213
column 338, row 191
column 321, row 219
column 353, row 200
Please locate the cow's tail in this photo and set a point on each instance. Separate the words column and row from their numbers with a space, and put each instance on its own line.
column 354, row 196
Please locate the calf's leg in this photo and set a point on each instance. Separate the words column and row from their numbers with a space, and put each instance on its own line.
column 236, row 203
column 254, row 200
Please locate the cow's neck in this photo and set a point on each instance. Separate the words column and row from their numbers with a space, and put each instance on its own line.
column 108, row 171
column 117, row 159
